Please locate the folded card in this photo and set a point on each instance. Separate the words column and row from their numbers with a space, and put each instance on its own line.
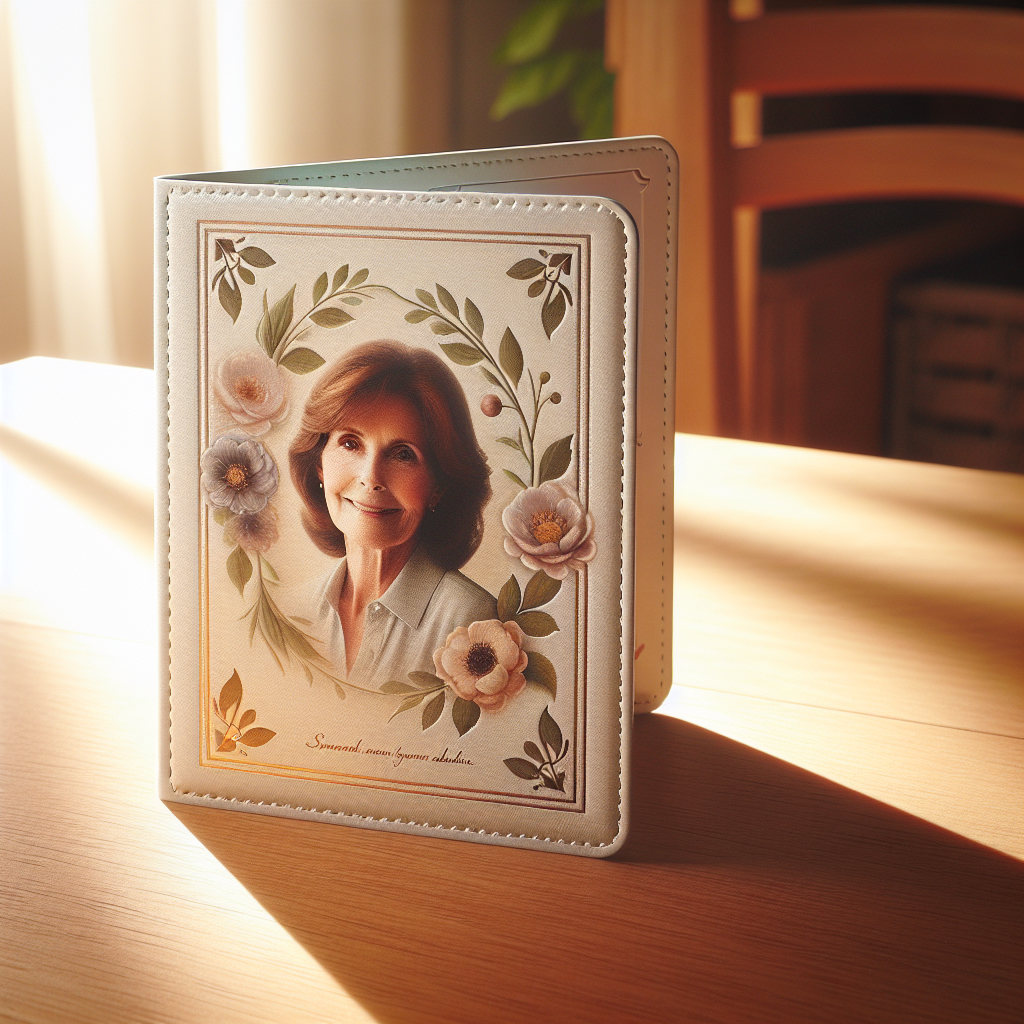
column 405, row 478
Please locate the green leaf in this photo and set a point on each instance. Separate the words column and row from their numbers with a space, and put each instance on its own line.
column 464, row 355
column 281, row 317
column 246, row 275
column 426, row 679
column 440, row 327
column 223, row 245
column 256, row 737
column 510, row 355
column 320, row 288
column 509, row 599
column 263, row 336
column 541, row 589
column 331, row 317
column 536, row 288
column 302, row 360
column 230, row 299
column 555, row 460
column 239, row 568
column 592, row 97
column 432, row 710
column 541, row 672
column 536, row 623
column 489, row 377
column 339, row 278
column 550, row 734
column 426, row 298
column 553, row 313
column 408, row 704
column 256, row 257
column 474, row 318
column 272, row 573
column 532, row 750
column 525, row 269
column 521, row 767
column 417, row 316
column 448, row 300
column 510, row 441
column 393, row 686
column 230, row 695
column 351, row 300
column 465, row 714
column 512, row 476
column 532, row 32
column 531, row 84
column 247, row 719
column 358, row 278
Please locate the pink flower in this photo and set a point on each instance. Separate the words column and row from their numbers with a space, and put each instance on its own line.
column 253, row 531
column 238, row 474
column 252, row 389
column 548, row 528
column 484, row 662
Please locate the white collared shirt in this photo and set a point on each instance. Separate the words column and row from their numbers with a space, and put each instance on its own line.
column 405, row 625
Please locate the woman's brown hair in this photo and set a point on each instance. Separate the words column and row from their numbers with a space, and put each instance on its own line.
column 378, row 369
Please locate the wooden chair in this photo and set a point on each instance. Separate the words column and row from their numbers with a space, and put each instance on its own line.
column 695, row 71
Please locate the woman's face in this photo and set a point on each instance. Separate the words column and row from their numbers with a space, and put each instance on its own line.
column 377, row 480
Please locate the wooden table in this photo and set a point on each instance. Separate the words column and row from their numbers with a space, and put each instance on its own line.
column 827, row 819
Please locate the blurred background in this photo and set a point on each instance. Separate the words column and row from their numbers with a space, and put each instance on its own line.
column 879, row 313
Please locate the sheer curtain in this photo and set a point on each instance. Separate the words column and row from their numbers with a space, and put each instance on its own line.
column 99, row 96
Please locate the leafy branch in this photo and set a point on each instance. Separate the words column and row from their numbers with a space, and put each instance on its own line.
column 226, row 280
column 465, row 714
column 521, row 608
column 548, row 280
column 237, row 731
column 278, row 330
column 544, row 759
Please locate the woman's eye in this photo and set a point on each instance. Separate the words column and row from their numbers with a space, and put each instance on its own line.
column 348, row 443
column 405, row 454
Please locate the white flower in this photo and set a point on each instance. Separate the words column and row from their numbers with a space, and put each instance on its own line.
column 548, row 528
column 253, row 390
column 239, row 474
column 484, row 662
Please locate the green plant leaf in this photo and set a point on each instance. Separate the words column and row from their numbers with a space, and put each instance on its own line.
column 532, row 750
column 408, row 704
column 464, row 355
column 448, row 300
column 246, row 275
column 474, row 318
column 281, row 316
column 536, row 288
column 541, row 672
column 550, row 734
column 239, row 569
column 272, row 573
column 256, row 737
column 393, row 686
column 521, row 767
column 533, row 31
column 489, row 377
column 525, row 269
column 509, row 599
column 440, row 327
column 256, row 257
column 320, row 288
column 536, row 623
column 510, row 441
column 531, row 84
column 302, row 360
column 247, row 719
column 465, row 714
column 510, row 355
column 512, row 476
column 553, row 313
column 223, row 245
column 339, row 278
column 351, row 300
column 541, row 589
column 426, row 679
column 230, row 695
column 556, row 458
column 263, row 335
column 358, row 278
column 432, row 710
column 331, row 316
column 592, row 97
column 426, row 298
column 230, row 299
column 417, row 316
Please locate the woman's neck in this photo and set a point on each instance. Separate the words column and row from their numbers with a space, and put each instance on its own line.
column 370, row 572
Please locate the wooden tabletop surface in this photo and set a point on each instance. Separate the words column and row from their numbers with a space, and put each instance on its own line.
column 827, row 812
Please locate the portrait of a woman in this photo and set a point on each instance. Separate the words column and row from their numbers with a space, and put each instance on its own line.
column 394, row 485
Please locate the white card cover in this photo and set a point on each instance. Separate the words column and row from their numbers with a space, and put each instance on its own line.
column 398, row 515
